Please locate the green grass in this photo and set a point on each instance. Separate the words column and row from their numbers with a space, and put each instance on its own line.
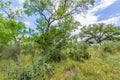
column 95, row 68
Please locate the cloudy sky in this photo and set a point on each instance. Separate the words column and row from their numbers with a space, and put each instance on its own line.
column 106, row 11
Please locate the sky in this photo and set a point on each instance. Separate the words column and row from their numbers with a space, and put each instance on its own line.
column 105, row 11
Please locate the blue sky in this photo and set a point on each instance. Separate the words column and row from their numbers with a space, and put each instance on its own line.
column 111, row 11
column 106, row 11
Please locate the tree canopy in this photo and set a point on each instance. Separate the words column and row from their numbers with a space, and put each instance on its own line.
column 98, row 33
column 9, row 29
column 55, row 19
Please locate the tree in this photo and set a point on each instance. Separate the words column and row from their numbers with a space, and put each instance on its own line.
column 55, row 21
column 98, row 33
column 9, row 30
column 8, row 11
column 9, row 27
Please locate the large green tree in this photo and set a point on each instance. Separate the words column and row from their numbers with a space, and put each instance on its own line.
column 98, row 33
column 55, row 20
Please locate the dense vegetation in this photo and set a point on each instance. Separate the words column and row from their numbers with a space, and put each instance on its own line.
column 50, row 51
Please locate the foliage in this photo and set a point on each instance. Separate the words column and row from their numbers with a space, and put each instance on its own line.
column 83, row 46
column 9, row 30
column 55, row 24
column 69, row 65
column 79, row 55
column 57, row 37
column 28, row 47
column 98, row 33
column 10, row 52
column 55, row 55
column 52, row 36
column 39, row 69
column 80, row 51
column 68, row 69
column 8, row 11
column 110, row 47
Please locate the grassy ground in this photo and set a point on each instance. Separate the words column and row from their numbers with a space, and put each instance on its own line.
column 96, row 68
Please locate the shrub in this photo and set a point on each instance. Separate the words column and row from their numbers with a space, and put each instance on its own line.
column 25, row 75
column 11, row 51
column 55, row 55
column 10, row 70
column 80, row 52
column 69, row 65
column 117, row 46
column 79, row 55
column 83, row 46
column 107, row 47
column 29, row 49
column 110, row 47
column 38, row 69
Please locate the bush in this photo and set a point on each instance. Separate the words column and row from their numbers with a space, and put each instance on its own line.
column 38, row 69
column 69, row 65
column 29, row 49
column 25, row 75
column 117, row 46
column 107, row 47
column 11, row 51
column 55, row 56
column 80, row 55
column 83, row 46
column 80, row 52
column 110, row 47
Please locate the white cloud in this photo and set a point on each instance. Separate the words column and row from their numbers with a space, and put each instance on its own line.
column 113, row 20
column 91, row 18
column 27, row 23
column 103, row 4
column 88, row 19
column 21, row 1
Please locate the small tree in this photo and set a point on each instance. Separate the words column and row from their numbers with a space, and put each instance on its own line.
column 97, row 33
